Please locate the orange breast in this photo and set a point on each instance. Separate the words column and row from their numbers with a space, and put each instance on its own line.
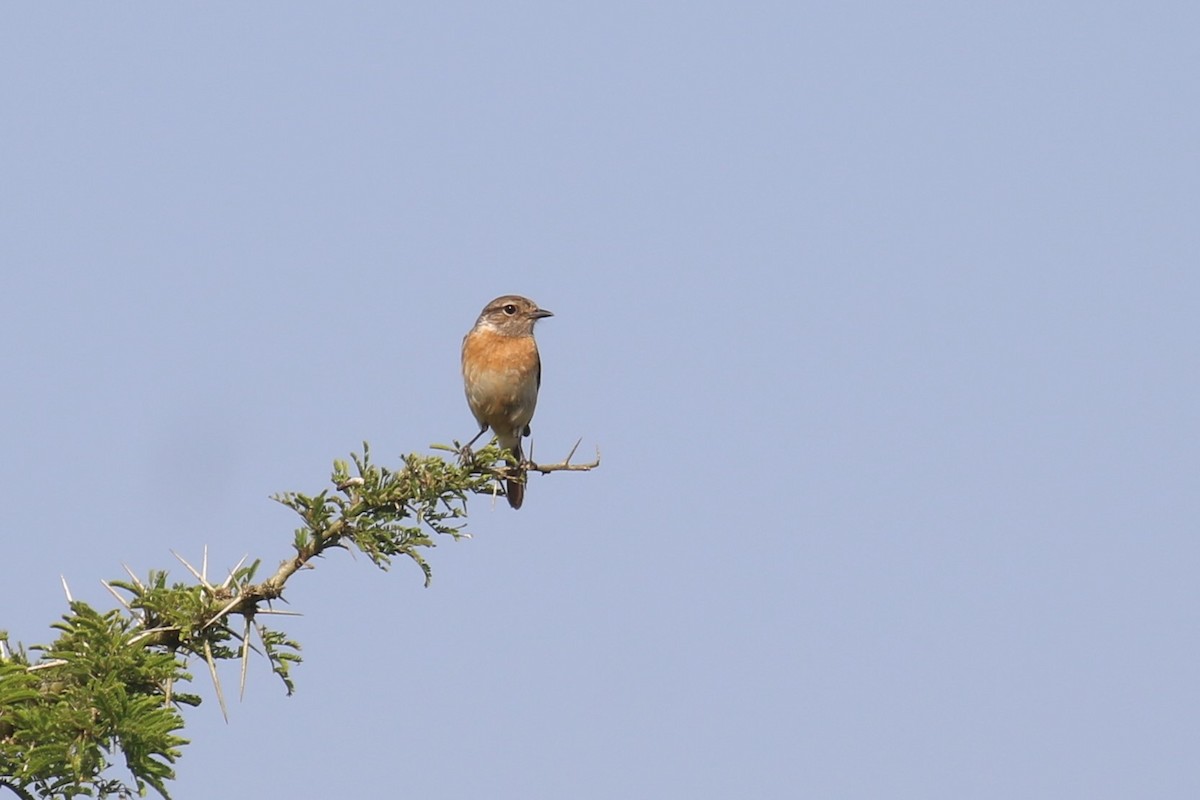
column 500, row 374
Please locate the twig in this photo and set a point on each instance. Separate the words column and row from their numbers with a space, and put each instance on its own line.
column 565, row 465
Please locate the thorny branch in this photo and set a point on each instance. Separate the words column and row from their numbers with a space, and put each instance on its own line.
column 382, row 513
column 565, row 465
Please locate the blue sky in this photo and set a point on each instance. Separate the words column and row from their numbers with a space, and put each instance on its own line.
column 884, row 317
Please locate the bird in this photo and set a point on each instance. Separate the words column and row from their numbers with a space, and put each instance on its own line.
column 502, row 373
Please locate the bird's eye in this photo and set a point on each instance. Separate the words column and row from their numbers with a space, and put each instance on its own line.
column 510, row 309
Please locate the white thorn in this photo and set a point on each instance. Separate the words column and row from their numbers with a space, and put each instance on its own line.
column 245, row 659
column 113, row 592
column 212, row 670
column 229, row 579
column 132, row 577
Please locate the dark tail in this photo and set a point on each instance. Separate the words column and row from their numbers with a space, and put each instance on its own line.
column 515, row 492
column 514, row 489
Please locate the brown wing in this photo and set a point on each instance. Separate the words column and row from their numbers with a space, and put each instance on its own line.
column 537, row 370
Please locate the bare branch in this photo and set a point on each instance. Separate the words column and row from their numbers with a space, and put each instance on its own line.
column 565, row 465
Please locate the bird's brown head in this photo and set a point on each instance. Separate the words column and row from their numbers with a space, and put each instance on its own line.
column 511, row 315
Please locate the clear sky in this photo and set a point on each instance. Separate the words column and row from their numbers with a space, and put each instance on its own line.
column 883, row 316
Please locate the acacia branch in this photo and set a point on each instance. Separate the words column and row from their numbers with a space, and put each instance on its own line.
column 565, row 465
column 380, row 512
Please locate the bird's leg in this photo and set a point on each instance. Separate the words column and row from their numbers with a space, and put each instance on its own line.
column 524, row 464
column 466, row 453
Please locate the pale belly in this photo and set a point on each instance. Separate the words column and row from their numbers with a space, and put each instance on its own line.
column 502, row 399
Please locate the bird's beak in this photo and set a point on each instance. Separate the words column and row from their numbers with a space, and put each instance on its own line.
column 541, row 313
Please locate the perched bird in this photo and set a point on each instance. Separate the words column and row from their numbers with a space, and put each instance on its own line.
column 502, row 373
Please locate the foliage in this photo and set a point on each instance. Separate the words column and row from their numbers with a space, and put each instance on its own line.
column 99, row 692
column 107, row 689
